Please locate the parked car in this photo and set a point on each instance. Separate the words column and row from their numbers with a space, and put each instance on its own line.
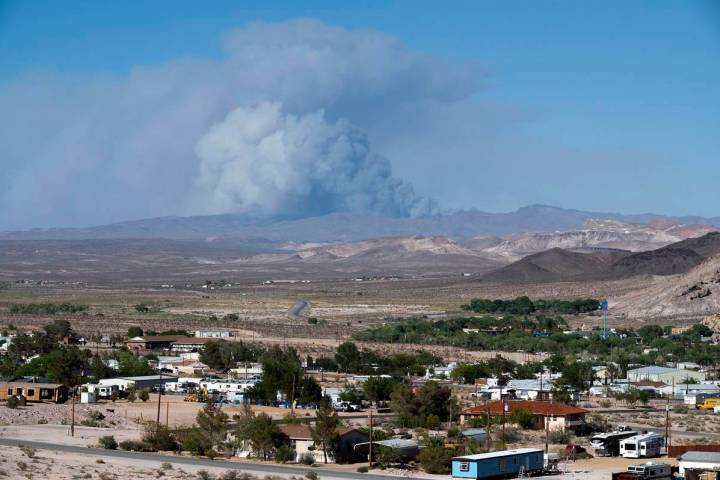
column 346, row 407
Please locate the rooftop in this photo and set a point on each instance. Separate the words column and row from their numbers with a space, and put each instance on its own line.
column 501, row 453
column 534, row 407
column 700, row 457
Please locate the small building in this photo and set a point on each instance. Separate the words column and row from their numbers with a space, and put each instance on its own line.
column 693, row 464
column 214, row 333
column 502, row 464
column 173, row 343
column 405, row 448
column 139, row 383
column 666, row 375
column 35, row 392
column 553, row 416
column 299, row 438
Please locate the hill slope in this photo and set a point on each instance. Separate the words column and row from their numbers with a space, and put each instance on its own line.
column 556, row 265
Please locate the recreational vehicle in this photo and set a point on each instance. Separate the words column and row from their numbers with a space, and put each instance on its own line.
column 641, row 446
column 608, row 444
column 651, row 471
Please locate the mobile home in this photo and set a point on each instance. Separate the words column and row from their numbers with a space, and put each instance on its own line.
column 34, row 392
column 502, row 464
column 608, row 444
column 641, row 446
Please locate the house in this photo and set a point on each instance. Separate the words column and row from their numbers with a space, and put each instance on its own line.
column 214, row 333
column 693, row 464
column 299, row 438
column 440, row 371
column 666, row 375
column 501, row 464
column 173, row 343
column 553, row 416
column 35, row 392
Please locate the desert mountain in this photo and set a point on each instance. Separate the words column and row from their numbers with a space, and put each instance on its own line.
column 555, row 265
column 678, row 257
column 692, row 294
column 344, row 227
column 564, row 265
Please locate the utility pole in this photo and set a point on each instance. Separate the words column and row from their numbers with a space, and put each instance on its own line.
column 292, row 398
column 160, row 389
column 370, row 445
column 167, row 413
column 504, row 405
column 547, row 433
column 72, row 421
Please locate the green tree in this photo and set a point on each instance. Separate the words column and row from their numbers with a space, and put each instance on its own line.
column 435, row 458
column 135, row 332
column 262, row 434
column 325, row 433
column 378, row 389
column 211, row 422
column 349, row 358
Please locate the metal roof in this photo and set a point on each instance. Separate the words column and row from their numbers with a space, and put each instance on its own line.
column 654, row 370
column 501, row 453
column 700, row 457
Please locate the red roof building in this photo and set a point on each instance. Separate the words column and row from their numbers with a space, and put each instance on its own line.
column 557, row 416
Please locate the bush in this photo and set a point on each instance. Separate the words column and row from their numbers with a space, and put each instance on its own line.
column 284, row 454
column 12, row 402
column 131, row 396
column 363, row 469
column 144, row 395
column 159, row 437
column 436, row 459
column 195, row 442
column 108, row 442
column 134, row 446
column 312, row 476
column 559, row 436
column 307, row 459
column 205, row 475
column 28, row 451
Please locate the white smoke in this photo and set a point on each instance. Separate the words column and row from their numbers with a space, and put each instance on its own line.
column 259, row 159
column 81, row 150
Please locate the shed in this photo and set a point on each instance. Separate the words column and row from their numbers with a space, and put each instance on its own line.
column 693, row 464
column 501, row 464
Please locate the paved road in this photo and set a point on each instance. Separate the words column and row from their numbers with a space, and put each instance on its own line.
column 253, row 468
column 299, row 310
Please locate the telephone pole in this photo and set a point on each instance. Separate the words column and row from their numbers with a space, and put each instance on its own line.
column 370, row 445
column 160, row 389
column 72, row 421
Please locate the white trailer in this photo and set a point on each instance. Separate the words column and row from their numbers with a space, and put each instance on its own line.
column 642, row 446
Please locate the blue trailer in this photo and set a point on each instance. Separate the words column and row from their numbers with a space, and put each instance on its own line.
column 502, row 464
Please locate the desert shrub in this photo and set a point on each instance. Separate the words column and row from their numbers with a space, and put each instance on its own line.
column 108, row 442
column 22, row 466
column 307, row 459
column 205, row 475
column 195, row 442
column 12, row 402
column 106, row 476
column 159, row 437
column 605, row 403
column 363, row 469
column 231, row 475
column 166, row 466
column 436, row 459
column 131, row 396
column 42, row 421
column 558, row 436
column 680, row 409
column 134, row 446
column 89, row 422
column 28, row 451
column 284, row 454
column 312, row 476
column 144, row 395
column 95, row 415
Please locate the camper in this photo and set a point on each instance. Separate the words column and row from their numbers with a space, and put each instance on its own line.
column 646, row 471
column 608, row 444
column 642, row 446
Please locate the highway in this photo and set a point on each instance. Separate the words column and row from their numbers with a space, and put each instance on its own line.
column 260, row 469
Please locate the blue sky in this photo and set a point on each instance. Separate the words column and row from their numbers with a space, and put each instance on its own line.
column 618, row 99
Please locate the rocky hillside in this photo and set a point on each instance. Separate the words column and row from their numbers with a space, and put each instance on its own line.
column 692, row 294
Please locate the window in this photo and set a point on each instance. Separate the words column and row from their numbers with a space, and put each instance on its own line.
column 464, row 467
column 31, row 392
column 9, row 391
